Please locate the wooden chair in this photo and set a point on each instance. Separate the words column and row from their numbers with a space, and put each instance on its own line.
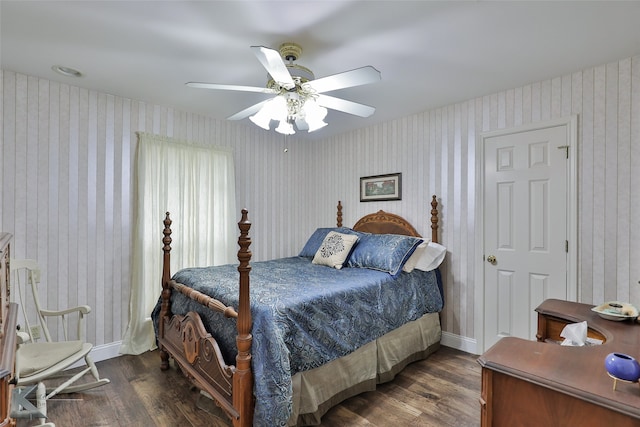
column 45, row 361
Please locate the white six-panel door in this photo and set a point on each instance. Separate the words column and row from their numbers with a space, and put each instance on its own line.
column 526, row 203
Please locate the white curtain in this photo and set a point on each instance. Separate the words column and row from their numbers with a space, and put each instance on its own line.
column 196, row 184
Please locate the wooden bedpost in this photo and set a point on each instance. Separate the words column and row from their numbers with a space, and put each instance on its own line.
column 243, row 377
column 339, row 215
column 165, row 311
column 434, row 219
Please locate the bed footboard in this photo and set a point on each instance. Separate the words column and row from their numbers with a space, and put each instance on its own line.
column 199, row 357
column 185, row 339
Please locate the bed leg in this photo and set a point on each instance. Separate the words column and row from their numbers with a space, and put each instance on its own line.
column 164, row 360
column 165, row 310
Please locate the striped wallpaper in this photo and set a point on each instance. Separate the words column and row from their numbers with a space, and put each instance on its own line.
column 66, row 179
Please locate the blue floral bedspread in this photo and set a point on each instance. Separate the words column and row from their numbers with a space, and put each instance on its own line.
column 305, row 315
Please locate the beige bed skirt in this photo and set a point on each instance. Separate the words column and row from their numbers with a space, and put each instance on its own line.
column 318, row 390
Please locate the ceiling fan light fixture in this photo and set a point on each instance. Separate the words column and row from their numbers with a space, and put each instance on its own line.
column 285, row 128
column 298, row 97
column 278, row 108
column 262, row 118
column 314, row 126
column 274, row 109
column 314, row 115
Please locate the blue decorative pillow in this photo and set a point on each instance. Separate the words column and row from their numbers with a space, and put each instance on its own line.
column 383, row 252
column 316, row 239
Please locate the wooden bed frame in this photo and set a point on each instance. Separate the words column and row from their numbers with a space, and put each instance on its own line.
column 185, row 339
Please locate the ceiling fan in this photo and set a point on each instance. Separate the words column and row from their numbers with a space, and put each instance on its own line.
column 299, row 97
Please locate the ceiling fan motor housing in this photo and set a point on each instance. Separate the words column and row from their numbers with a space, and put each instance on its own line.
column 290, row 51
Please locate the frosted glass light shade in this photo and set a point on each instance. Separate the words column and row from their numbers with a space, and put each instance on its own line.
column 314, row 115
column 274, row 109
column 278, row 108
column 315, row 125
column 285, row 128
column 262, row 118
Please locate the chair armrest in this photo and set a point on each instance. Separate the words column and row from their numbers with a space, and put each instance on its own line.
column 23, row 337
column 84, row 309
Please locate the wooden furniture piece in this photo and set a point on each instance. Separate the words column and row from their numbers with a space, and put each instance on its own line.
column 541, row 383
column 8, row 324
column 44, row 360
column 181, row 337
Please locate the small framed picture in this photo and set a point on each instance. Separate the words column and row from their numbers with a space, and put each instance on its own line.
column 381, row 187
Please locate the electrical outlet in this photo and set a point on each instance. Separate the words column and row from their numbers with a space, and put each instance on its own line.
column 35, row 332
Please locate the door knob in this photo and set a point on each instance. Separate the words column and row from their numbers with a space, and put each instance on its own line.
column 491, row 259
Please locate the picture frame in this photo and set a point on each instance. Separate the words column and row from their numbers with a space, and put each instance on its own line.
column 381, row 187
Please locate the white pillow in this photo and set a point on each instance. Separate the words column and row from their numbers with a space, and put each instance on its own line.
column 410, row 264
column 335, row 249
column 430, row 257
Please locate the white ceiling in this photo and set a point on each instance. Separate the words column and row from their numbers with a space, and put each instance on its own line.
column 430, row 53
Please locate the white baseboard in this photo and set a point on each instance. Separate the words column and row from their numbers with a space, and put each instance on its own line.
column 458, row 342
column 101, row 352
column 111, row 350
column 106, row 351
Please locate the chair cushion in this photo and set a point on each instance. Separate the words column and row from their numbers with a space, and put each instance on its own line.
column 37, row 357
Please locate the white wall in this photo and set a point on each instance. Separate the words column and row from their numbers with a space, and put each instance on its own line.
column 67, row 158
column 435, row 151
column 66, row 176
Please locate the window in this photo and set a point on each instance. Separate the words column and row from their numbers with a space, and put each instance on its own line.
column 196, row 184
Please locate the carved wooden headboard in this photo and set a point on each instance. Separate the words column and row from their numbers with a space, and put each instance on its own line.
column 383, row 222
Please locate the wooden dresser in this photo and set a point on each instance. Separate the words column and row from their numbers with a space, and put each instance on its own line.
column 8, row 322
column 541, row 383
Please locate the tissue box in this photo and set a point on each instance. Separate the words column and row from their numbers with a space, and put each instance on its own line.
column 575, row 334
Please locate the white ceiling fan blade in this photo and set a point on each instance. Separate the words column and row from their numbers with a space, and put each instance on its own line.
column 357, row 77
column 275, row 66
column 216, row 86
column 248, row 111
column 345, row 106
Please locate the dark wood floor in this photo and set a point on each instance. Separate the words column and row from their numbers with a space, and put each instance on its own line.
column 440, row 391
